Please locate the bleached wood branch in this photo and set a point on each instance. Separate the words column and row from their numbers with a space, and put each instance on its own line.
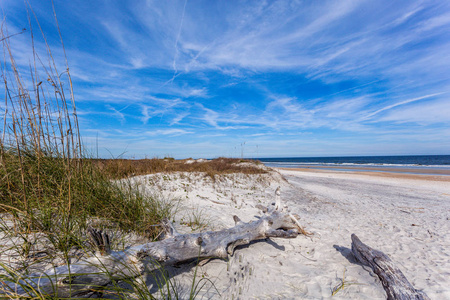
column 395, row 284
column 278, row 198
column 168, row 230
column 94, row 272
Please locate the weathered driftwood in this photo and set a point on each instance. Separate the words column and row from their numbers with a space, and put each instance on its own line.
column 394, row 282
column 94, row 272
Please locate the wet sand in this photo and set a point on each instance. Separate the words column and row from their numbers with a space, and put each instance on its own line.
column 407, row 173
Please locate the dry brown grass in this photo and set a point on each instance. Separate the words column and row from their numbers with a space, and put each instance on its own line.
column 122, row 168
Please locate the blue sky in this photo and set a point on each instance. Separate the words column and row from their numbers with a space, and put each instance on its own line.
column 266, row 78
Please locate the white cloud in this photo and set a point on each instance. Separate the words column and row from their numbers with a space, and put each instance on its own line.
column 210, row 116
column 172, row 132
column 117, row 114
column 398, row 104
column 435, row 22
column 203, row 92
column 434, row 112
column 145, row 113
column 177, row 119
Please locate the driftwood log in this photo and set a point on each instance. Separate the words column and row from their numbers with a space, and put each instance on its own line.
column 97, row 270
column 394, row 282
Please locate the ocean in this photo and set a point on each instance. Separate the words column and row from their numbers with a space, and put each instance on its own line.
column 414, row 162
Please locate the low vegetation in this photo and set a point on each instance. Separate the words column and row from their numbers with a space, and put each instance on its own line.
column 45, row 177
column 122, row 168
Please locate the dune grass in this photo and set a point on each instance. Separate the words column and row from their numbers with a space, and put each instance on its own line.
column 122, row 168
column 45, row 175
column 49, row 187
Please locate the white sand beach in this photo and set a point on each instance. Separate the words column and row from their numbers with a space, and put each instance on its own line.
column 405, row 217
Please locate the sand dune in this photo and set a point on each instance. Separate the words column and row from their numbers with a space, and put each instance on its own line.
column 407, row 218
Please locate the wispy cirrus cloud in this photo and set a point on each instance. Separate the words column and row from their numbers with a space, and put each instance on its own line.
column 117, row 113
column 178, row 118
column 399, row 104
column 435, row 112
column 269, row 72
column 172, row 132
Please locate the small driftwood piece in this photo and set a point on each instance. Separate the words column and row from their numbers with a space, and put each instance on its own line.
column 96, row 271
column 395, row 284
